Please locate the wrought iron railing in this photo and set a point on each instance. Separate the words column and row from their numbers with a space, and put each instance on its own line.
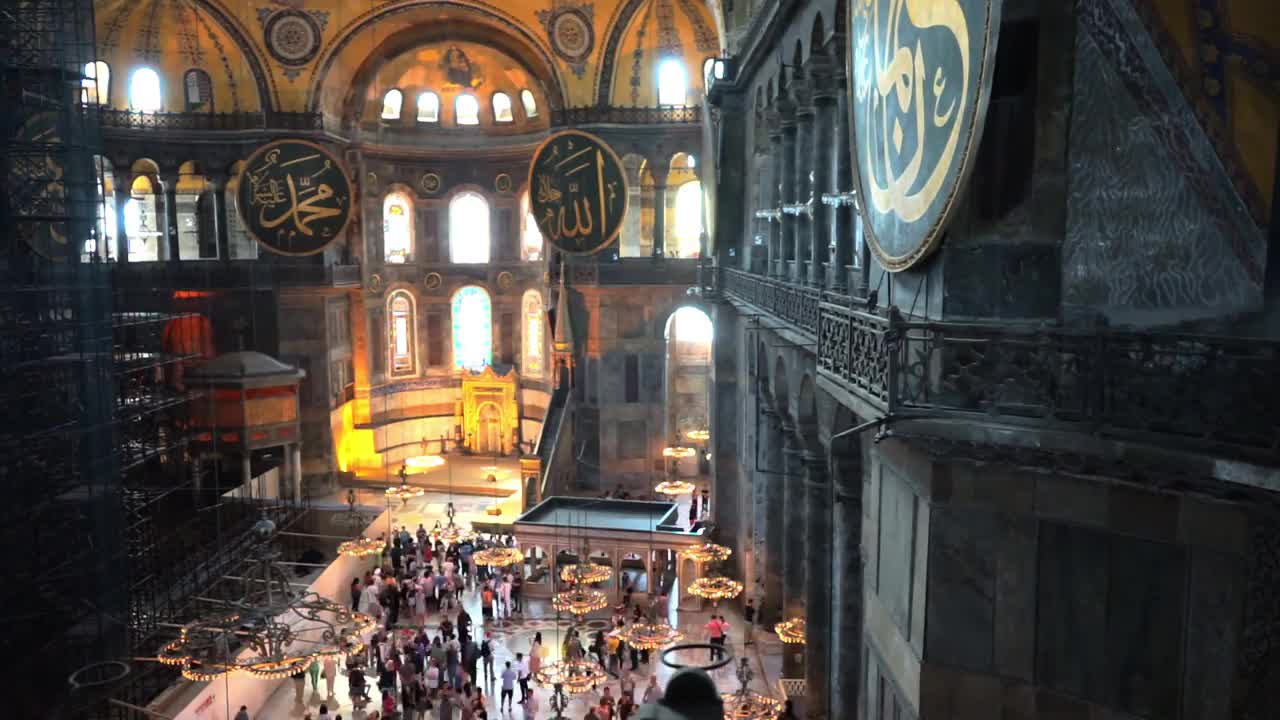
column 631, row 271
column 111, row 118
column 661, row 115
column 1214, row 392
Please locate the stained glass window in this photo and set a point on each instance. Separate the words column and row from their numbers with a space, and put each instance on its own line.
column 472, row 328
column 397, row 228
column 400, row 331
column 531, row 365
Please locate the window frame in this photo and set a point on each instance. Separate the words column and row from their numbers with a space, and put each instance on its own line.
column 91, row 79
column 419, row 105
column 457, row 115
column 411, row 346
column 455, row 300
column 528, row 103
column 392, row 195
column 533, row 344
column 457, row 227
column 511, row 111
column 143, row 71
column 678, row 63
column 399, row 104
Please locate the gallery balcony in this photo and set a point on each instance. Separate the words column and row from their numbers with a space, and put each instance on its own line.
column 1215, row 394
column 236, row 274
column 631, row 271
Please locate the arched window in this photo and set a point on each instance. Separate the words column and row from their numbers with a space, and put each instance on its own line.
column 502, row 108
column 144, row 90
column 673, row 82
column 391, row 104
column 530, row 105
column 142, row 222
column 531, row 365
column 199, row 90
column 397, row 228
column 688, row 225
column 466, row 110
column 469, row 228
column 530, row 235
column 96, row 84
column 708, row 72
column 472, row 328
column 428, row 107
column 400, row 334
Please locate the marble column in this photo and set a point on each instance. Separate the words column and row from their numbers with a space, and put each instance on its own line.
column 824, row 100
column 169, row 238
column 846, row 598
column 842, row 226
column 787, row 186
column 818, row 600
column 793, row 557
column 295, row 464
column 803, row 180
column 659, row 216
column 122, row 197
column 773, row 198
column 246, row 476
column 769, row 494
column 217, row 185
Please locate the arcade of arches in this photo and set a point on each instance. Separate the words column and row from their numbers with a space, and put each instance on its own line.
column 1008, row 450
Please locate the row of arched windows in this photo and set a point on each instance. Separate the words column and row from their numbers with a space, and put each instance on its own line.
column 469, row 229
column 145, row 94
column 466, row 107
column 471, row 322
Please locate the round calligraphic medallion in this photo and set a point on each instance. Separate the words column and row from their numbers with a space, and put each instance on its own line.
column 571, row 35
column 293, row 37
column 920, row 78
column 577, row 192
column 294, row 197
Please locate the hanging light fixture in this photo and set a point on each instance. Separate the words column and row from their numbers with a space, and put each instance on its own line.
column 745, row 704
column 405, row 492
column 424, row 462
column 574, row 676
column 451, row 533
column 585, row 573
column 579, row 601
column 706, row 552
column 698, row 435
column 286, row 631
column 715, row 588
column 674, row 487
column 678, row 451
column 791, row 631
column 498, row 557
column 651, row 636
column 359, row 546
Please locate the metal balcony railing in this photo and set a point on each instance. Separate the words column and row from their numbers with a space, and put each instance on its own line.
column 661, row 115
column 113, row 119
column 1216, row 393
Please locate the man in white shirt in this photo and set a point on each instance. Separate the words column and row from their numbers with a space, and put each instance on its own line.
column 522, row 673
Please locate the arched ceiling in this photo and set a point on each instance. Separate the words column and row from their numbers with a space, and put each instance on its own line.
column 172, row 37
column 308, row 56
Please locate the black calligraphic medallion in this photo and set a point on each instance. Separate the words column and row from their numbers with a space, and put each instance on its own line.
column 577, row 192
column 920, row 75
column 294, row 197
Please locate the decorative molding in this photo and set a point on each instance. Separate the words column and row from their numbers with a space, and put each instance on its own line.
column 570, row 32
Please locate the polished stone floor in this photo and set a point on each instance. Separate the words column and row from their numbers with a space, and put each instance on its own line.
column 516, row 635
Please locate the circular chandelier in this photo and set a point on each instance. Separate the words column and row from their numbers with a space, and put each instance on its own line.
column 698, row 435
column 575, row 676
column 706, row 552
column 674, row 487
column 678, row 451
column 360, row 547
column 498, row 557
column 744, row 704
column 270, row 632
column 585, row 573
column 424, row 462
column 404, row 491
column 451, row 534
column 651, row 636
column 579, row 601
column 715, row 588
column 791, row 631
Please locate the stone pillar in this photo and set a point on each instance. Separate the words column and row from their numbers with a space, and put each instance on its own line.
column 818, row 600
column 804, row 176
column 169, row 240
column 659, row 215
column 217, row 184
column 787, row 186
column 770, row 520
column 824, row 100
column 122, row 238
column 846, row 598
column 773, row 198
column 246, row 475
column 842, row 225
column 793, row 558
column 295, row 465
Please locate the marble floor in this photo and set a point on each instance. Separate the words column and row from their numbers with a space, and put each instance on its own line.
column 516, row 635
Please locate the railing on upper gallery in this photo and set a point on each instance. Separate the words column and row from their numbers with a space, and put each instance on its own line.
column 660, row 115
column 1216, row 392
column 233, row 274
column 630, row 271
column 111, row 118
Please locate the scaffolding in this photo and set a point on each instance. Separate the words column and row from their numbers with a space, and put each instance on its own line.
column 112, row 531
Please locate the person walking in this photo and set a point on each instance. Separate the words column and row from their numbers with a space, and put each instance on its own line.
column 652, row 693
column 299, row 685
column 535, row 654
column 522, row 675
column 330, row 674
column 531, row 707
column 243, row 714
column 748, row 622
column 508, row 687
column 486, row 656
column 715, row 637
column 355, row 593
column 313, row 670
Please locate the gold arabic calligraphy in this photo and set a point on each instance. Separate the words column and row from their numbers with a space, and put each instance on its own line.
column 305, row 201
column 577, row 200
column 890, row 89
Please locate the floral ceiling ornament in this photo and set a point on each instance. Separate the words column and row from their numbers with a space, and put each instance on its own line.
column 293, row 36
column 569, row 27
